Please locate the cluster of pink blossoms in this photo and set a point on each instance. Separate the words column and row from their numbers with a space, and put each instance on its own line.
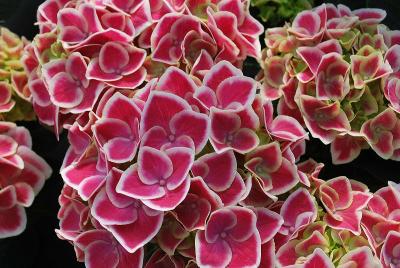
column 87, row 47
column 14, row 91
column 177, row 159
column 22, row 171
column 22, row 176
column 337, row 72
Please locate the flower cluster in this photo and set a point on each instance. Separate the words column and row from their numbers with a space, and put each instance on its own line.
column 337, row 72
column 86, row 48
column 177, row 159
column 14, row 92
column 22, row 176
column 160, row 167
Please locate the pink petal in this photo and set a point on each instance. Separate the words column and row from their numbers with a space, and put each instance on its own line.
column 160, row 108
column 390, row 250
column 64, row 91
column 219, row 73
column 8, row 197
column 246, row 253
column 298, row 209
column 108, row 214
column 13, row 221
column 212, row 255
column 236, row 93
column 192, row 124
column 131, row 185
column 283, row 179
column 154, row 165
column 234, row 193
column 362, row 257
column 135, row 235
column 8, row 146
column 25, row 194
column 345, row 149
column 370, row 15
column 268, row 223
column 287, row 128
column 217, row 170
column 177, row 82
column 318, row 259
column 171, row 199
column 182, row 160
column 132, row 80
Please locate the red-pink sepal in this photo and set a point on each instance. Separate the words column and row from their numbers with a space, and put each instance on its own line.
column 12, row 215
column 368, row 65
column 233, row 130
column 171, row 235
column 168, row 36
column 225, row 87
column 361, row 257
column 139, row 11
column 219, row 172
column 101, row 250
column 6, row 102
column 256, row 195
column 68, row 87
column 86, row 175
column 390, row 254
column 235, row 31
column 376, row 227
column 370, row 16
column 310, row 25
column 324, row 120
column 277, row 174
column 297, row 211
column 392, row 91
column 268, row 223
column 346, row 148
column 282, row 127
column 313, row 57
column 332, row 78
column 230, row 239
column 194, row 210
column 383, row 133
column 117, row 132
column 169, row 121
column 163, row 188
column 276, row 77
column 343, row 204
column 317, row 259
column 118, row 65
column 340, row 21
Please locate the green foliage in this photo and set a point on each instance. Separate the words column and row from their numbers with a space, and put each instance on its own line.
column 277, row 12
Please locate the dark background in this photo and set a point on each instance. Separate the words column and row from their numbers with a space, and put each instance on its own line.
column 38, row 246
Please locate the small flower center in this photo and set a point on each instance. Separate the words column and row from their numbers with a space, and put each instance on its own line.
column 378, row 130
column 229, row 138
column 193, row 205
column 171, row 138
column 117, row 71
column 320, row 117
column 223, row 235
column 162, row 182
column 175, row 42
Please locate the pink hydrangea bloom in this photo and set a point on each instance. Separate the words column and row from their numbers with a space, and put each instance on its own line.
column 23, row 174
column 327, row 69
